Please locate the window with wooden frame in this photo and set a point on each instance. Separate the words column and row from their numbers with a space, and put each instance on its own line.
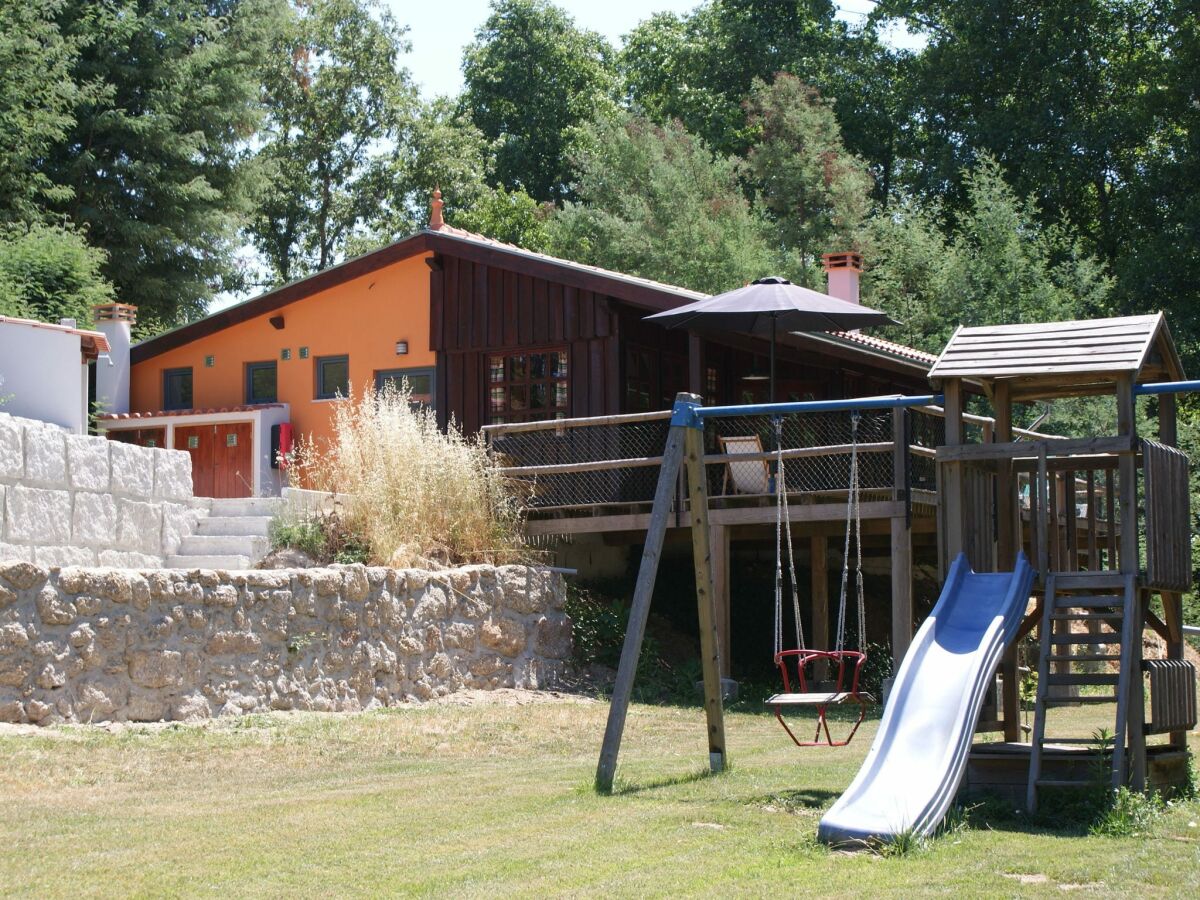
column 652, row 378
column 333, row 376
column 528, row 386
column 177, row 388
column 420, row 382
column 262, row 382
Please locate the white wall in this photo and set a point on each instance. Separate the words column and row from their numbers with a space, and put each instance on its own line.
column 71, row 499
column 43, row 377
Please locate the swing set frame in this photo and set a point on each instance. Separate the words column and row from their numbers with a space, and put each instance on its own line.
column 685, row 448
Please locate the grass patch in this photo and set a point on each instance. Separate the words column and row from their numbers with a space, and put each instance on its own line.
column 486, row 800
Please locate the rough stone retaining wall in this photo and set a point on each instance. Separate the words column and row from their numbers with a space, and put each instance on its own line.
column 90, row 644
column 69, row 499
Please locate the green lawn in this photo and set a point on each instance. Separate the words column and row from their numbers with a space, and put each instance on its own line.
column 497, row 799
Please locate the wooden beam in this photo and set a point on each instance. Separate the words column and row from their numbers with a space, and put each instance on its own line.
column 706, row 607
column 1030, row 449
column 719, row 540
column 639, row 611
column 952, row 475
column 1127, row 503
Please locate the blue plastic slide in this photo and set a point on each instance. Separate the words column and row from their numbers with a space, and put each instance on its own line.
column 918, row 757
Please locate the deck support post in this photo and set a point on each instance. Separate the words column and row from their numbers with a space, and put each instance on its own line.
column 1008, row 537
column 951, row 478
column 901, row 539
column 1172, row 601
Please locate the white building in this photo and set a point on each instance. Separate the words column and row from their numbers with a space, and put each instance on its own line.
column 44, row 370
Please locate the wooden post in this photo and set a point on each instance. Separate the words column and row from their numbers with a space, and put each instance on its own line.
column 710, row 654
column 719, row 541
column 1172, row 601
column 818, row 554
column 640, row 608
column 1008, row 537
column 901, row 534
column 952, row 476
column 1127, row 501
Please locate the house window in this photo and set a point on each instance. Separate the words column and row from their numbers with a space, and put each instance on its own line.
column 177, row 388
column 333, row 377
column 420, row 383
column 261, row 382
column 653, row 378
column 527, row 387
column 712, row 385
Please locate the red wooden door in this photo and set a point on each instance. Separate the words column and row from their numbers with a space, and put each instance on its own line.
column 221, row 458
column 232, row 474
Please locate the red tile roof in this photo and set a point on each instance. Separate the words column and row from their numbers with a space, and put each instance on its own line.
column 887, row 346
column 249, row 407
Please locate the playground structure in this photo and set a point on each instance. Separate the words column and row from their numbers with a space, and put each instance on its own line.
column 1081, row 510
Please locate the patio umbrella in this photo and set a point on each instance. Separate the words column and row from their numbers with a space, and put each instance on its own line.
column 768, row 304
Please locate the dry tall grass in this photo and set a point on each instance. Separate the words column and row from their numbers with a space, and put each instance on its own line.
column 415, row 493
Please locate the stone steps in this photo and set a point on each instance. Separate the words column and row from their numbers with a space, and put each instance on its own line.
column 252, row 546
column 208, row 562
column 258, row 526
column 246, row 506
column 234, row 535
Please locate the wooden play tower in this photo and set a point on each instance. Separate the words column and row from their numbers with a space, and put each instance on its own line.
column 1105, row 522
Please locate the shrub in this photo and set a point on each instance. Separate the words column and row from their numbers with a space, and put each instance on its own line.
column 413, row 492
column 305, row 535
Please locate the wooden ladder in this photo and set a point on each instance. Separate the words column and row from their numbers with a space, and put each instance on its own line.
column 1105, row 597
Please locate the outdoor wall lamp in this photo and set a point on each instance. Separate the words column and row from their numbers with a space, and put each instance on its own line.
column 401, row 348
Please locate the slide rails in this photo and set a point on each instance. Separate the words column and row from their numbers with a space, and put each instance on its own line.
column 837, row 826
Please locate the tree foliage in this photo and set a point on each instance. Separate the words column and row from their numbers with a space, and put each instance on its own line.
column 151, row 155
column 998, row 264
column 655, row 201
column 48, row 272
column 336, row 99
column 37, row 102
column 531, row 78
column 815, row 193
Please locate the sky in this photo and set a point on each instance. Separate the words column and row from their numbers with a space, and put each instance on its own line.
column 439, row 29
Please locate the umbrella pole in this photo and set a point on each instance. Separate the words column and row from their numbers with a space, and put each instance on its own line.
column 771, row 397
column 771, row 468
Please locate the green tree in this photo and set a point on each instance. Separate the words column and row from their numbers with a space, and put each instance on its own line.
column 336, row 97
column 654, row 201
column 815, row 193
column 49, row 272
column 442, row 149
column 998, row 264
column 37, row 104
column 152, row 155
column 531, row 78
column 700, row 67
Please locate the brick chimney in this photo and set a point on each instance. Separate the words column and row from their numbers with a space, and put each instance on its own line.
column 842, row 272
column 115, row 321
column 435, row 211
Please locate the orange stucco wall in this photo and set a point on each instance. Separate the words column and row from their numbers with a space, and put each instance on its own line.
column 363, row 318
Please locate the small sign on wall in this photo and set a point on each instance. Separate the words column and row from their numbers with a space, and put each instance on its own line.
column 193, row 442
column 231, row 439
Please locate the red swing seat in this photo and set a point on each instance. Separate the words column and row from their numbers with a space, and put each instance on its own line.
column 848, row 664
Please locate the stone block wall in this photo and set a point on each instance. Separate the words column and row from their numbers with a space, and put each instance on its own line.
column 92, row 644
column 69, row 499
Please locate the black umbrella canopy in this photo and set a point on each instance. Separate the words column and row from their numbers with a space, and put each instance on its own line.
column 772, row 303
column 768, row 305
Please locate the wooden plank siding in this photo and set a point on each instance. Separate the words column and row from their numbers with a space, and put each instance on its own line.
column 477, row 309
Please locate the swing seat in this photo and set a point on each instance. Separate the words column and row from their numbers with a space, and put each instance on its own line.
column 847, row 663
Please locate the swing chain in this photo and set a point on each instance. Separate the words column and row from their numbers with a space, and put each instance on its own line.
column 783, row 523
column 853, row 521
